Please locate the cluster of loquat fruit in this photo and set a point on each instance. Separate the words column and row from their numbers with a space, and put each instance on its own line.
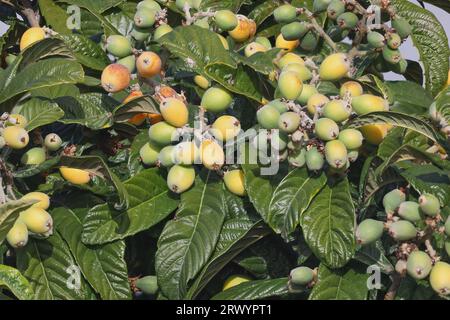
column 411, row 224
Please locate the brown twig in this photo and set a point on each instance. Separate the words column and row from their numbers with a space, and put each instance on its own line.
column 28, row 12
column 392, row 291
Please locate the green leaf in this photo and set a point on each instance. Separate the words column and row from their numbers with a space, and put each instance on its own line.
column 86, row 51
column 55, row 16
column 103, row 266
column 145, row 104
column 341, row 284
column 255, row 290
column 291, row 198
column 30, row 171
column 261, row 62
column 134, row 160
column 430, row 39
column 97, row 166
column 49, row 266
column 260, row 188
column 39, row 112
column 15, row 282
column 93, row 110
column 408, row 97
column 398, row 120
column 150, row 201
column 429, row 179
column 188, row 241
column 9, row 212
column 374, row 254
column 442, row 105
column 329, row 225
column 236, row 235
column 263, row 11
column 443, row 4
column 95, row 6
column 215, row 5
column 44, row 73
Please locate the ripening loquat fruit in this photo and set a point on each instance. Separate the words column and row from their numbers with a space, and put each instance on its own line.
column 75, row 176
column 148, row 64
column 115, row 78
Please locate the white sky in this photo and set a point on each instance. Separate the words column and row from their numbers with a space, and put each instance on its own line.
column 408, row 50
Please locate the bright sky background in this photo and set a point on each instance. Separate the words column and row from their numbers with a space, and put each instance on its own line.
column 408, row 50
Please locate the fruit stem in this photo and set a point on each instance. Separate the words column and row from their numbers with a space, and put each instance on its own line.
column 319, row 29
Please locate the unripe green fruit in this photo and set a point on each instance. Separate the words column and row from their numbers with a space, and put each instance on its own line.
column 34, row 156
column 297, row 158
column 402, row 27
column 202, row 23
column 37, row 220
column 196, row 4
column 409, row 210
column 17, row 236
column 166, row 156
column 294, row 30
column 285, row 13
column 447, row 227
column 335, row 9
column 300, row 69
column 352, row 155
column 315, row 102
column 402, row 230
column 185, row 153
column 336, row 154
column 314, row 159
column 212, row 155
column 148, row 285
column 391, row 56
column 149, row 153
column 289, row 58
column 334, row 67
column 447, row 247
column 161, row 31
column 392, row 200
column 279, row 105
column 440, row 278
column 320, row 5
column 145, row 18
column 419, row 265
column 337, row 110
column 52, row 142
column 347, row 20
column 326, row 129
column 174, row 112
column 180, row 178
column 226, row 128
column 351, row 138
column 369, row 231
column 309, row 41
column 162, row 133
column 140, row 34
column 393, row 40
column 290, row 85
column 182, row 3
column 367, row 103
column 216, row 99
column 375, row 39
column 129, row 63
column 2, row 142
column 351, row 88
column 301, row 276
column 429, row 204
column 118, row 46
column 289, row 122
column 226, row 20
column 16, row 137
column 149, row 4
column 264, row 41
column 254, row 47
column 9, row 59
column 307, row 92
column 268, row 117
column 399, row 67
column 42, row 198
column 235, row 182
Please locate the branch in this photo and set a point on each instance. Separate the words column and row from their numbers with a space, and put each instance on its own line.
column 28, row 12
column 392, row 292
column 315, row 25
